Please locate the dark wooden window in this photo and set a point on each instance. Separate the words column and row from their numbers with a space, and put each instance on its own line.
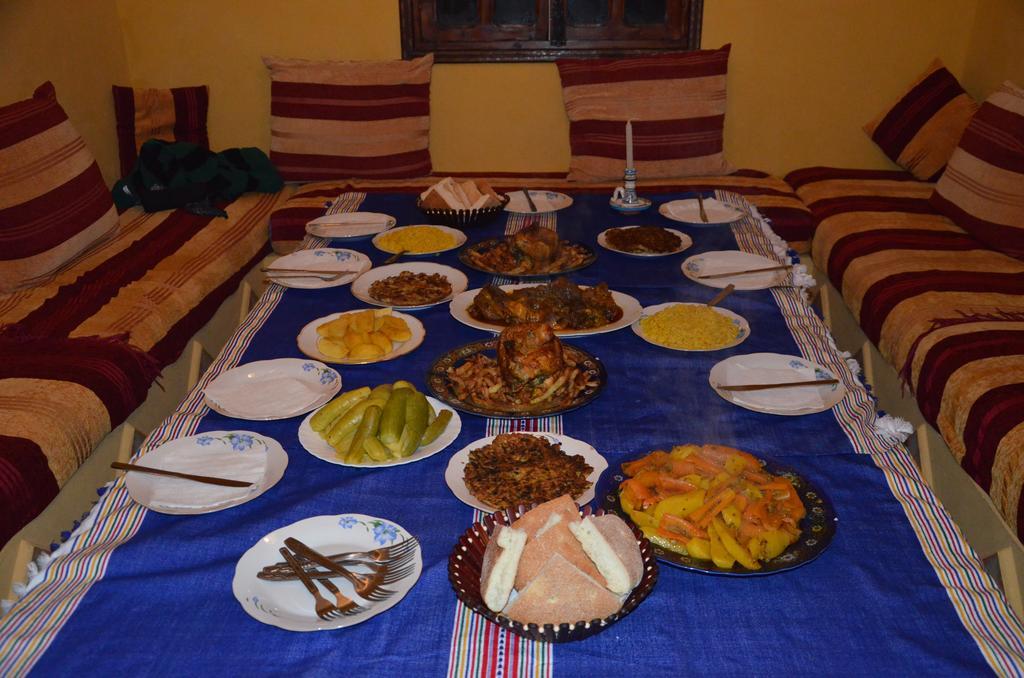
column 544, row 30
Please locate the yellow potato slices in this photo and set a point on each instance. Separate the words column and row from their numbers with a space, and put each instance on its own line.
column 364, row 335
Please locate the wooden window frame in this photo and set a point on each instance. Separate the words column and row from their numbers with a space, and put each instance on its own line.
column 487, row 43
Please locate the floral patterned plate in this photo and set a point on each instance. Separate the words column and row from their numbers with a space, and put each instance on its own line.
column 776, row 368
column 237, row 455
column 287, row 604
column 319, row 448
column 272, row 389
column 321, row 259
column 742, row 326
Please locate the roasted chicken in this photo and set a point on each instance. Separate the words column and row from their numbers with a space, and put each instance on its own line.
column 529, row 354
column 561, row 304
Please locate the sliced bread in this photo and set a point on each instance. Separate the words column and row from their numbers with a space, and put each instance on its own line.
column 501, row 561
column 611, row 546
column 561, row 594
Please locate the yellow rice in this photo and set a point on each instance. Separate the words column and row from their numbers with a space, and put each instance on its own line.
column 417, row 239
column 689, row 327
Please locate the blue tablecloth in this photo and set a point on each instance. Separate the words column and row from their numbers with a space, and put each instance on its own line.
column 895, row 593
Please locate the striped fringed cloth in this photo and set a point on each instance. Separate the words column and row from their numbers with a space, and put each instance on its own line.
column 945, row 310
column 58, row 397
column 79, row 353
column 774, row 198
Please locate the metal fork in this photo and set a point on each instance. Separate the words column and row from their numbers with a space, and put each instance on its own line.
column 345, row 606
column 383, row 554
column 367, row 586
column 282, row 571
column 324, row 609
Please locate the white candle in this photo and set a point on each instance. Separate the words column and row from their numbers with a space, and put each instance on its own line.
column 629, row 144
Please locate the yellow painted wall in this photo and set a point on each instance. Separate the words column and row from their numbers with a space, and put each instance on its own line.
column 77, row 45
column 996, row 48
column 804, row 76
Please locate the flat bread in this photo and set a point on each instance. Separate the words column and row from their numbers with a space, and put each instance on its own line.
column 611, row 546
column 562, row 594
column 536, row 517
column 501, row 561
column 552, row 538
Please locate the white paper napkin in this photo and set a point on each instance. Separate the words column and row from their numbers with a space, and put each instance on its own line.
column 798, row 397
column 217, row 457
column 265, row 398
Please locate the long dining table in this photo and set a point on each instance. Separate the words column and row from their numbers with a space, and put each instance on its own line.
column 898, row 591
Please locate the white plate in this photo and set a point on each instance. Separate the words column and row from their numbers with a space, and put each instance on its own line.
column 361, row 287
column 685, row 244
column 350, row 225
column 287, row 604
column 272, row 389
column 320, row 259
column 630, row 312
column 688, row 212
column 546, row 201
column 455, row 474
column 214, row 444
column 772, row 368
column 308, row 337
column 460, row 239
column 725, row 261
column 319, row 448
column 738, row 320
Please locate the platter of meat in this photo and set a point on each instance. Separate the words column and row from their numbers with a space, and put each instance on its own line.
column 570, row 309
column 524, row 372
column 644, row 241
column 533, row 252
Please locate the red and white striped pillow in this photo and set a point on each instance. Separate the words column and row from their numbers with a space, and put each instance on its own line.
column 53, row 200
column 676, row 103
column 176, row 114
column 919, row 132
column 982, row 189
column 343, row 119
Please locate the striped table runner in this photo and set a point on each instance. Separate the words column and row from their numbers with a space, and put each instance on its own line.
column 480, row 647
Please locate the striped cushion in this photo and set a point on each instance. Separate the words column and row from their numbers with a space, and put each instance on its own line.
column 921, row 129
column 342, row 119
column 676, row 103
column 944, row 309
column 176, row 114
column 982, row 189
column 53, row 201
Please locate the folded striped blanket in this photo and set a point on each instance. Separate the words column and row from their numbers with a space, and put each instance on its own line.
column 942, row 308
column 775, row 199
column 79, row 353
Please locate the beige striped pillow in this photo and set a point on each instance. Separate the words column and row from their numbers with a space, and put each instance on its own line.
column 53, row 201
column 921, row 129
column 343, row 119
column 676, row 103
column 982, row 189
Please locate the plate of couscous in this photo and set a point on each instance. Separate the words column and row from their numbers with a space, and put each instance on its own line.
column 691, row 327
column 419, row 240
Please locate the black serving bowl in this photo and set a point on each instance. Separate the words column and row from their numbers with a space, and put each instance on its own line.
column 466, row 559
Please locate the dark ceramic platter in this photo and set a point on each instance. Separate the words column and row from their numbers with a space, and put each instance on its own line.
column 441, row 387
column 466, row 561
column 485, row 245
column 816, row 529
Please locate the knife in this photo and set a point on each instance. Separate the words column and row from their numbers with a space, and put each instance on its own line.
column 529, row 200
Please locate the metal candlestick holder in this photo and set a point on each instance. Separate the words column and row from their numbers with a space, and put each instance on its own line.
column 624, row 198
